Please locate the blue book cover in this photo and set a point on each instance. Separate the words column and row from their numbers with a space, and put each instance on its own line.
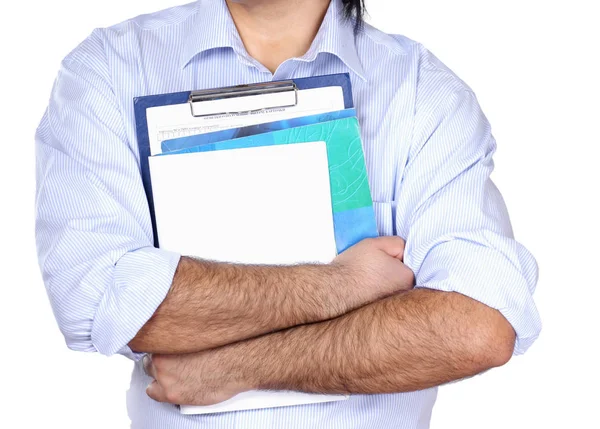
column 352, row 206
column 235, row 133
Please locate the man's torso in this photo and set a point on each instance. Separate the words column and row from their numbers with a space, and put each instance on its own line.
column 153, row 54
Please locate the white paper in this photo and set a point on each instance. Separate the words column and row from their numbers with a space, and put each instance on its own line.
column 169, row 122
column 261, row 399
column 269, row 205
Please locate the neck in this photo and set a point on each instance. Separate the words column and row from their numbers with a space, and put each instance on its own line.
column 275, row 30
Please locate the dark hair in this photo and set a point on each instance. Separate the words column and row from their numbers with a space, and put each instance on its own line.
column 355, row 9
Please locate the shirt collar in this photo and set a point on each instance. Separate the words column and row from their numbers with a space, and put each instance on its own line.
column 336, row 36
column 212, row 27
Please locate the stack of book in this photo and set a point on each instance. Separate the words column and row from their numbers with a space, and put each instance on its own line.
column 271, row 173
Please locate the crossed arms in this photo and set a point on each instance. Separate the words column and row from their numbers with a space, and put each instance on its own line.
column 410, row 340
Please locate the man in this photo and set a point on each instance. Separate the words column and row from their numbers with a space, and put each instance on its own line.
column 356, row 326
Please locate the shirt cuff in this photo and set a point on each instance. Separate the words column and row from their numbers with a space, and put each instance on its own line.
column 142, row 279
column 501, row 275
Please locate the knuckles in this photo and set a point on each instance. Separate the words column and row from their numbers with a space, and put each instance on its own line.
column 369, row 242
column 163, row 366
column 173, row 396
column 171, row 386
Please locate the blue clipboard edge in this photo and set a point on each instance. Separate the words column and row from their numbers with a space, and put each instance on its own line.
column 142, row 103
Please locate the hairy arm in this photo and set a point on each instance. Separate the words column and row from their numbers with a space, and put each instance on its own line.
column 212, row 304
column 412, row 341
column 406, row 342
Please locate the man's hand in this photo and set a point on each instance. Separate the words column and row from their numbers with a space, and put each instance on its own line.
column 203, row 378
column 373, row 270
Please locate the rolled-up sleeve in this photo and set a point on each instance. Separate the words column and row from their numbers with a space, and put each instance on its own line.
column 102, row 273
column 457, row 230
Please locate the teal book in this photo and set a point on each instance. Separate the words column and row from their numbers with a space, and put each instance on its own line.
column 352, row 206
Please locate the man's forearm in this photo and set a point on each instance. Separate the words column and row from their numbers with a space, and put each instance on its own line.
column 411, row 341
column 212, row 304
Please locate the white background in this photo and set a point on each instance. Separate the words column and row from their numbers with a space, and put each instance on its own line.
column 534, row 66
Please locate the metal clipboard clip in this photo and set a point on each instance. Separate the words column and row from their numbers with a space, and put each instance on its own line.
column 249, row 99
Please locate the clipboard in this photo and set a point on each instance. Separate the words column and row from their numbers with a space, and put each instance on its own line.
column 209, row 102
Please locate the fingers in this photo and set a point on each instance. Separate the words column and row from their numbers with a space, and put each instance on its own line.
column 149, row 368
column 156, row 392
column 164, row 389
column 392, row 245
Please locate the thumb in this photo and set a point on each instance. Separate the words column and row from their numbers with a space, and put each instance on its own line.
column 392, row 245
column 156, row 392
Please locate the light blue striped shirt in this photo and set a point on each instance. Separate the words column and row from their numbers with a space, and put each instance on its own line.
column 428, row 150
